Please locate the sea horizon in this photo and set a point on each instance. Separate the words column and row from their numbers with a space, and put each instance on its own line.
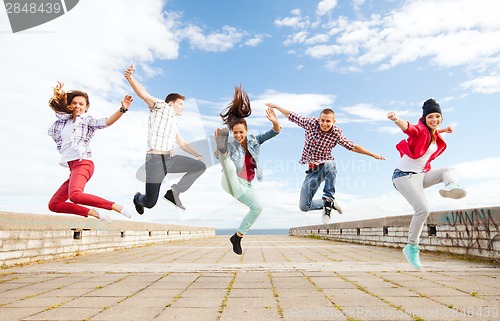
column 257, row 231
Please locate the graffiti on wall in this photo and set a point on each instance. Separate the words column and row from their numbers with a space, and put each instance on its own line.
column 474, row 229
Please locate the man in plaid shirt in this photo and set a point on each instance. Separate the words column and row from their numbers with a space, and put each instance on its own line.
column 321, row 136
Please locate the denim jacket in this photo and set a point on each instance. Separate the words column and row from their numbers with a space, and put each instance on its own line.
column 237, row 153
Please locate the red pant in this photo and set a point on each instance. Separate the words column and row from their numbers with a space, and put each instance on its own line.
column 72, row 189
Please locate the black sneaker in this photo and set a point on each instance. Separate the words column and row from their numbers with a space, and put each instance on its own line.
column 138, row 207
column 236, row 241
column 221, row 140
column 327, row 210
column 173, row 197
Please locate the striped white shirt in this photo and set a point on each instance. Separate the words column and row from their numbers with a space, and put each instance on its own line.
column 162, row 127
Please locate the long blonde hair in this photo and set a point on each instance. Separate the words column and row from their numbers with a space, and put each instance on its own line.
column 60, row 102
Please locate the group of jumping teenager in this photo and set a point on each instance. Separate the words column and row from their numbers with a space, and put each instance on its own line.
column 239, row 158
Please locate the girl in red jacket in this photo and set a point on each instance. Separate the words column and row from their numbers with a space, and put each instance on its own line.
column 413, row 173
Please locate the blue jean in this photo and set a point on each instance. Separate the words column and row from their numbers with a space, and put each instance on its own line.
column 242, row 190
column 326, row 173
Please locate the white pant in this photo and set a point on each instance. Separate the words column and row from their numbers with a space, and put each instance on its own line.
column 412, row 188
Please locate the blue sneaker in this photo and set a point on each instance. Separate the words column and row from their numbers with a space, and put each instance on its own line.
column 453, row 191
column 411, row 253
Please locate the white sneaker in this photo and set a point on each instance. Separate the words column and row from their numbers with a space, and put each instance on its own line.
column 104, row 217
column 453, row 191
column 126, row 212
column 337, row 207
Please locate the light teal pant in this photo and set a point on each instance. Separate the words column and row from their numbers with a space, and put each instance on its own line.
column 242, row 190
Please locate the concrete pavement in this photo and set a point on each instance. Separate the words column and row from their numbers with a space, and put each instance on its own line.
column 276, row 278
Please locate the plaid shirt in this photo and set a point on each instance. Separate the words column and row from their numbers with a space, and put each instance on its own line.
column 318, row 144
column 84, row 129
column 162, row 127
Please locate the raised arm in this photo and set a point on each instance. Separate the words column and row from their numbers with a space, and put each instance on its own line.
column 282, row 110
column 403, row 124
column 125, row 104
column 138, row 88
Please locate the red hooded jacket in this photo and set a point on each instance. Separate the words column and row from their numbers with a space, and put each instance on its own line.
column 419, row 138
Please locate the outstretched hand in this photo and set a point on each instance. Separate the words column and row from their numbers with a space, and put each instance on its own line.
column 379, row 157
column 392, row 116
column 447, row 130
column 271, row 115
column 59, row 85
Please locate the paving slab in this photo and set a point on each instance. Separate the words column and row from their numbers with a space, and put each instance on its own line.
column 276, row 278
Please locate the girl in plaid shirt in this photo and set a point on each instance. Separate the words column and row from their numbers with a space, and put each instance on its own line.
column 72, row 132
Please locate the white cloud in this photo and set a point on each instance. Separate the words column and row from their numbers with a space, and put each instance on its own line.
column 480, row 169
column 449, row 33
column 297, row 21
column 367, row 112
column 484, row 84
column 325, row 6
column 304, row 104
column 288, row 22
column 256, row 40
column 320, row 38
column 323, row 51
column 393, row 130
column 220, row 41
column 298, row 37
column 357, row 4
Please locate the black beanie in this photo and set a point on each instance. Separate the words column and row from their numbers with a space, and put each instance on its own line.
column 430, row 106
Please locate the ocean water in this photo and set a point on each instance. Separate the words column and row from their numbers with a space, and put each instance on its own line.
column 227, row 231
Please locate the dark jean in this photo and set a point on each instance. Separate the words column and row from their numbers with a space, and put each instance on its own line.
column 157, row 167
column 314, row 178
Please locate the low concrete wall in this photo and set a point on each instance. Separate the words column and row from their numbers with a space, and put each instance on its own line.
column 27, row 238
column 471, row 232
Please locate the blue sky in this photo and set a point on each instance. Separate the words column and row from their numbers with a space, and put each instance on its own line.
column 361, row 58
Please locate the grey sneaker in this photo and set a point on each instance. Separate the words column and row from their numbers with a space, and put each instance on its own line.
column 221, row 140
column 453, row 191
column 173, row 197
